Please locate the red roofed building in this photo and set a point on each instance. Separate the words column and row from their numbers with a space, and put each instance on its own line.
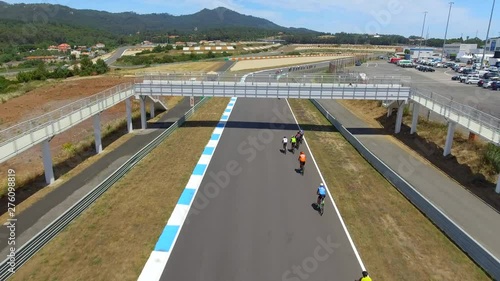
column 63, row 47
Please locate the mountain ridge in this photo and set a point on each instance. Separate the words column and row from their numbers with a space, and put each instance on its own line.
column 131, row 22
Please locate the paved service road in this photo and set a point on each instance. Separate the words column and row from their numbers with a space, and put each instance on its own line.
column 117, row 54
column 259, row 223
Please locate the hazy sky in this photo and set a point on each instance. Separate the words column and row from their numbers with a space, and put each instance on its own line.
column 404, row 17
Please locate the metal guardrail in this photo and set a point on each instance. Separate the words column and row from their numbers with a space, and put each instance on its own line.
column 26, row 251
column 468, row 244
column 464, row 111
column 32, row 125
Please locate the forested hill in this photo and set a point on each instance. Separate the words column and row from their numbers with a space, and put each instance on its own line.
column 17, row 36
column 130, row 23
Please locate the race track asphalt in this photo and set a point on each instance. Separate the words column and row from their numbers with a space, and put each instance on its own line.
column 253, row 216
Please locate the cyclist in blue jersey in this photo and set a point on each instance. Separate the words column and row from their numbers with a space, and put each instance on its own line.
column 321, row 193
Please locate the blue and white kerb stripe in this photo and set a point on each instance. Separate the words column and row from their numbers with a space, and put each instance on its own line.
column 158, row 259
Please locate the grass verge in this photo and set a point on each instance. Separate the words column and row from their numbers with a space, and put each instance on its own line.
column 395, row 240
column 113, row 239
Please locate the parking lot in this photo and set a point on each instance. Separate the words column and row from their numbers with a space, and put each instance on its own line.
column 439, row 82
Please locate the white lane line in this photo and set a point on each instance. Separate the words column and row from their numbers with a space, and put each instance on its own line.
column 330, row 195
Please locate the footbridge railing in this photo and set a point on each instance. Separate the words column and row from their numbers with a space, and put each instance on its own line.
column 283, row 76
column 481, row 123
column 18, row 138
column 272, row 90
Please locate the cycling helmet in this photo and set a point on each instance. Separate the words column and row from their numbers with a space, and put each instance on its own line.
column 302, row 152
column 321, row 184
column 365, row 274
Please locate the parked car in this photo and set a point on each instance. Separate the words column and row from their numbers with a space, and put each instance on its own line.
column 493, row 68
column 469, row 71
column 487, row 85
column 462, row 78
column 455, row 77
column 426, row 69
column 481, row 82
column 489, row 75
column 495, row 85
column 472, row 79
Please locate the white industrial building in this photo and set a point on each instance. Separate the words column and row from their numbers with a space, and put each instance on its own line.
column 422, row 53
column 493, row 44
column 474, row 57
column 459, row 49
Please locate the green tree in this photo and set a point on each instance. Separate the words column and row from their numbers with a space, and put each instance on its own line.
column 210, row 55
column 101, row 67
column 40, row 73
column 4, row 84
column 86, row 66
column 24, row 76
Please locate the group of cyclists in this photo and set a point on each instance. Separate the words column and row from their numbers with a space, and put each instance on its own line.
column 294, row 143
column 321, row 191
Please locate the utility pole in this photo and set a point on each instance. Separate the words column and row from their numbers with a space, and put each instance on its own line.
column 426, row 37
column 421, row 37
column 487, row 34
column 446, row 30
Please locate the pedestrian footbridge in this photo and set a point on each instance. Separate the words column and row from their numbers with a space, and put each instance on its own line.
column 148, row 87
column 272, row 86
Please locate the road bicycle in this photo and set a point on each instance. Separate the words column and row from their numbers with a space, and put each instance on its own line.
column 321, row 205
column 302, row 166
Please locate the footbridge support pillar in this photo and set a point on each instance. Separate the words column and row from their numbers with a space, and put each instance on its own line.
column 97, row 132
column 47, row 161
column 399, row 117
column 142, row 99
column 497, row 189
column 128, row 109
column 449, row 138
column 151, row 109
column 414, row 120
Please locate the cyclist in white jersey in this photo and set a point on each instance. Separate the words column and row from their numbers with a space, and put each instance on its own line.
column 284, row 142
